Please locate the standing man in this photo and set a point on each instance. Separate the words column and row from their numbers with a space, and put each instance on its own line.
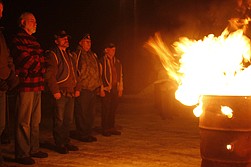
column 29, row 63
column 8, row 79
column 89, row 82
column 111, row 90
column 61, row 79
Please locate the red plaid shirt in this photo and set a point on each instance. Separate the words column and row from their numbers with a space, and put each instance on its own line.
column 29, row 62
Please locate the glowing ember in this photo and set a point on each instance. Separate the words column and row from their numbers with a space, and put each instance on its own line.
column 227, row 111
column 229, row 147
column 210, row 66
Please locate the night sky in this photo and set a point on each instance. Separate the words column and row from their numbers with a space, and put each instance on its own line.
column 127, row 23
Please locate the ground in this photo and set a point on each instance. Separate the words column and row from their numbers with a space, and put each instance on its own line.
column 147, row 140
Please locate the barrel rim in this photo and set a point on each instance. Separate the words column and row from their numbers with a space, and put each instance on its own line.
column 226, row 162
column 223, row 129
column 237, row 96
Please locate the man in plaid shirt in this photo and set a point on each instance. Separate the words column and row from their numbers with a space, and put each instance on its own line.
column 29, row 62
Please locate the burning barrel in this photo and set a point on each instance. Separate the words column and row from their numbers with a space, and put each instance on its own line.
column 226, row 138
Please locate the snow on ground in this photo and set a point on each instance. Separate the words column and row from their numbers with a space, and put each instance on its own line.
column 147, row 140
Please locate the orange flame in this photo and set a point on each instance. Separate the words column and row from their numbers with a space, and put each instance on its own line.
column 210, row 66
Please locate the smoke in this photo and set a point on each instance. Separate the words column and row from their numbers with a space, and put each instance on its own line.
column 195, row 18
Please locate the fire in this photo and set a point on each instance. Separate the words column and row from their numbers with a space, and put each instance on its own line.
column 212, row 66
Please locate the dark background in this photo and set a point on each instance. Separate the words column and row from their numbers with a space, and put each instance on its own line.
column 127, row 23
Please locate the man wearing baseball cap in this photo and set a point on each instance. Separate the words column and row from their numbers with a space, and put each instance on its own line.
column 88, row 86
column 111, row 89
column 61, row 80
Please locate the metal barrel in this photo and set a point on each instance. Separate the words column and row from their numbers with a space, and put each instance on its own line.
column 225, row 140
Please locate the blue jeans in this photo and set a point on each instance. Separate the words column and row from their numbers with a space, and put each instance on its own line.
column 63, row 117
column 28, row 120
column 2, row 115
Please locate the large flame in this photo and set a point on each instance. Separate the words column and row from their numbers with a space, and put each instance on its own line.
column 210, row 66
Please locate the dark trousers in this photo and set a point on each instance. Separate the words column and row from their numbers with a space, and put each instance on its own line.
column 2, row 116
column 2, row 110
column 85, row 108
column 109, row 106
column 11, row 108
column 62, row 119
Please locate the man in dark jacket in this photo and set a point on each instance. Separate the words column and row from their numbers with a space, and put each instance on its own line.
column 89, row 82
column 8, row 80
column 111, row 90
column 61, row 79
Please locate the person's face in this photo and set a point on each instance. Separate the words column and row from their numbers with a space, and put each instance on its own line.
column 29, row 24
column 85, row 44
column 62, row 43
column 1, row 10
column 110, row 52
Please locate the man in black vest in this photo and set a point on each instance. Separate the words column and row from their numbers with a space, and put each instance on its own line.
column 61, row 79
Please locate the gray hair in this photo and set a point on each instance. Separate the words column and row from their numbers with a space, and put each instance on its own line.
column 23, row 16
